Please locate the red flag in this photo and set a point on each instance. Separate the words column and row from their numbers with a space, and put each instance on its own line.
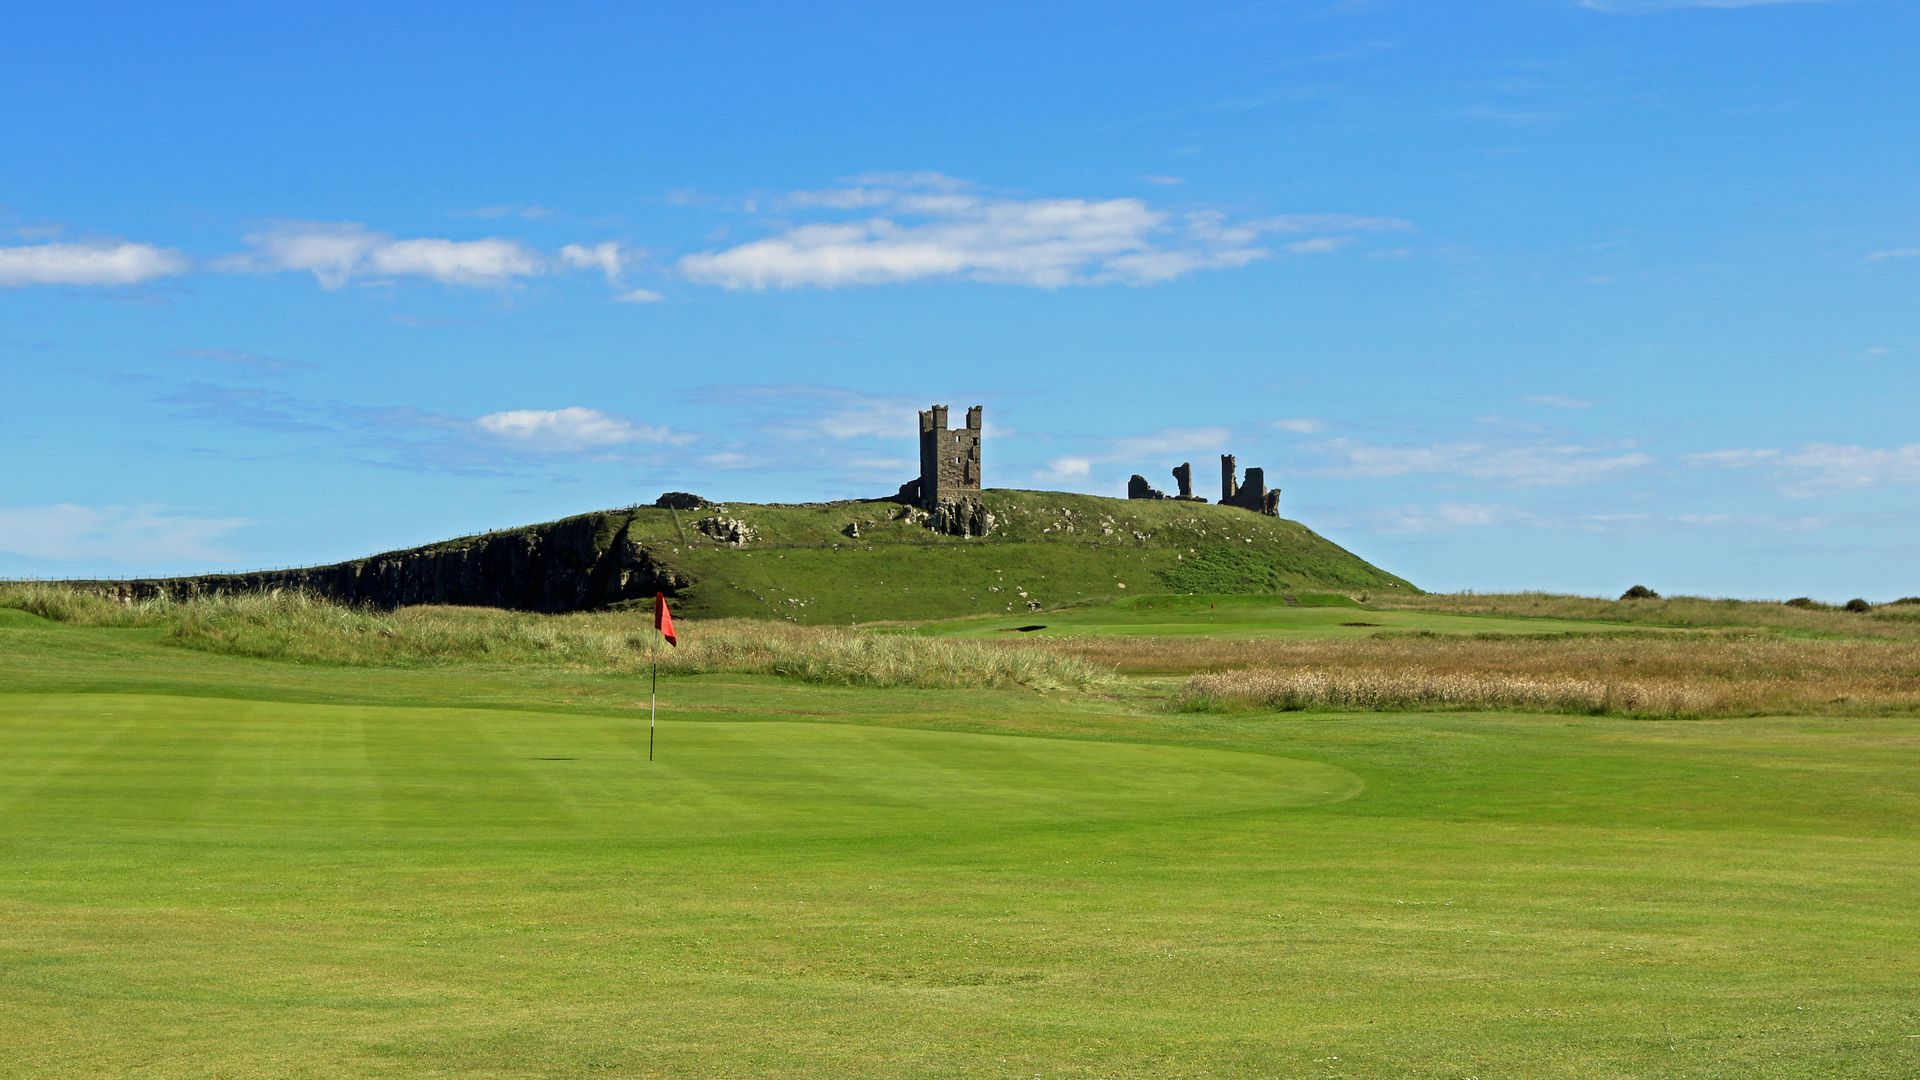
column 663, row 619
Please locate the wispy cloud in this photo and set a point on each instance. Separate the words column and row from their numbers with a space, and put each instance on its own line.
column 1894, row 253
column 1646, row 7
column 494, row 213
column 259, row 363
column 1190, row 440
column 932, row 227
column 571, row 429
column 114, row 533
column 336, row 253
column 87, row 264
column 1558, row 401
column 1541, row 465
column 1298, row 425
column 1448, row 517
column 609, row 258
column 1823, row 468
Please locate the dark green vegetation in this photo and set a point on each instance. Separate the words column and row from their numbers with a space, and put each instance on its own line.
column 804, row 564
column 457, row 861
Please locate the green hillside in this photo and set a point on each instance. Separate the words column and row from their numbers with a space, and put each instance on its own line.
column 838, row 562
column 1048, row 550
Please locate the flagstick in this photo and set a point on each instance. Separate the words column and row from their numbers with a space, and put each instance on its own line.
column 653, row 708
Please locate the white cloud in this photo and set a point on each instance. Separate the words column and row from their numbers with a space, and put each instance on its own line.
column 1065, row 470
column 1299, row 425
column 1526, row 466
column 457, row 262
column 1896, row 253
column 572, row 428
column 87, row 264
column 931, row 226
column 639, row 296
column 608, row 258
column 120, row 534
column 335, row 253
column 1161, row 180
column 1823, row 468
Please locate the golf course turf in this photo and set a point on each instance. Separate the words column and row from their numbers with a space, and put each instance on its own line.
column 223, row 866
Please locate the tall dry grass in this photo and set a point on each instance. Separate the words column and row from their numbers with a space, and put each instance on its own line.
column 1669, row 674
column 1898, row 619
column 299, row 627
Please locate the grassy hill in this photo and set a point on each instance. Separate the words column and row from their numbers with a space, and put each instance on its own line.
column 1049, row 550
column 840, row 562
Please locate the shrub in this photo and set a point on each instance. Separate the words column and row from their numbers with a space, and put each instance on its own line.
column 1639, row 592
column 680, row 500
column 1802, row 602
column 1857, row 605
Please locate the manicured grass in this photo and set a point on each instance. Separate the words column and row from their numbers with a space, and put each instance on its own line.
column 220, row 865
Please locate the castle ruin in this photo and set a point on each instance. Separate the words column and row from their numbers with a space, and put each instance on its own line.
column 1249, row 494
column 948, row 488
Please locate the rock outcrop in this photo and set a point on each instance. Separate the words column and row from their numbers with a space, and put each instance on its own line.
column 570, row 565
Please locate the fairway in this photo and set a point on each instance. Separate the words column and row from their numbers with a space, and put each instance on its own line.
column 223, row 866
column 262, row 778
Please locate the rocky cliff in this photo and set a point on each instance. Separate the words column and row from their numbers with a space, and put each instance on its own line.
column 568, row 565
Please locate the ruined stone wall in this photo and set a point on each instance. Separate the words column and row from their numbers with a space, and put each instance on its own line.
column 1251, row 494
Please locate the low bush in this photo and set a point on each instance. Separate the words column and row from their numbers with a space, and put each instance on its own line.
column 1857, row 605
column 1639, row 592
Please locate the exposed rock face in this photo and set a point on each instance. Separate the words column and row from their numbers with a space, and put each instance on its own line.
column 961, row 517
column 557, row 567
column 680, row 500
column 729, row 531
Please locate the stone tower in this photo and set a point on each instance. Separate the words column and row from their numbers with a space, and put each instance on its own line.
column 949, row 458
column 949, row 483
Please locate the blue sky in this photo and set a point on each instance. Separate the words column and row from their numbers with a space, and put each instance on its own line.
column 1529, row 294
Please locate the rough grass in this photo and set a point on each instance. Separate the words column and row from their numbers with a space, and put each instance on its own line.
column 1633, row 673
column 299, row 627
column 1629, row 672
column 1898, row 619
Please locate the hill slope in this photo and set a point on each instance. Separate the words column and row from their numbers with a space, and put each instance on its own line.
column 843, row 561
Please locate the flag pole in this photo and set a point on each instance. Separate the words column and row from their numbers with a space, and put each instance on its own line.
column 653, row 706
